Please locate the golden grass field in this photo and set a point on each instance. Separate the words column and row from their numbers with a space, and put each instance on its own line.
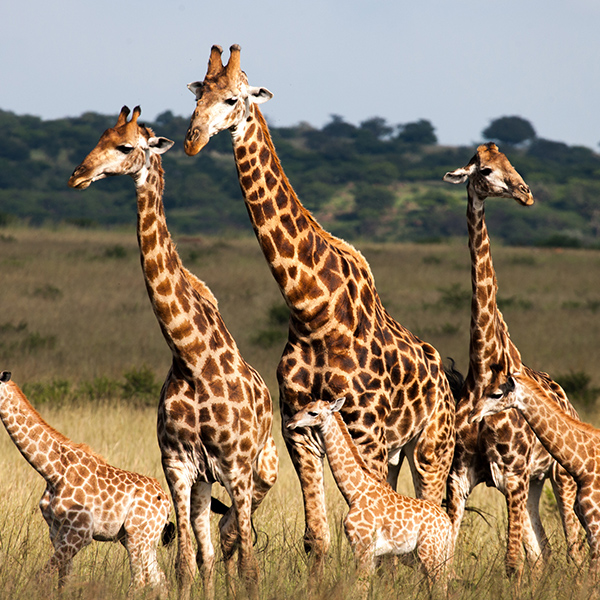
column 74, row 309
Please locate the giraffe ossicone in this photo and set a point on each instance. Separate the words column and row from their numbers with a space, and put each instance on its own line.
column 86, row 498
column 215, row 412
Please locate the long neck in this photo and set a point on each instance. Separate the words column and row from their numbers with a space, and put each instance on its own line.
column 41, row 446
column 178, row 298
column 570, row 442
column 490, row 341
column 309, row 264
column 349, row 470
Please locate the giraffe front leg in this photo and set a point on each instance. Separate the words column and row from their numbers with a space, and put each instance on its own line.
column 535, row 539
column 309, row 468
column 516, row 491
column 200, row 498
column 185, row 565
column 565, row 492
column 236, row 533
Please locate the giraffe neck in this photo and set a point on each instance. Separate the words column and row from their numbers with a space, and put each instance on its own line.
column 568, row 440
column 41, row 446
column 298, row 250
column 490, row 341
column 349, row 470
column 176, row 295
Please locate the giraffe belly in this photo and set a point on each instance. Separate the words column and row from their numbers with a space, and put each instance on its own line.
column 387, row 543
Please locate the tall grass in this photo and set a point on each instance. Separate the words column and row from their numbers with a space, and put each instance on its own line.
column 77, row 331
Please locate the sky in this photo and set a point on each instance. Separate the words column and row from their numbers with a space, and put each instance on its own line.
column 457, row 63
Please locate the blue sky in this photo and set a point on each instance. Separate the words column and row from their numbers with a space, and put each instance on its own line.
column 457, row 63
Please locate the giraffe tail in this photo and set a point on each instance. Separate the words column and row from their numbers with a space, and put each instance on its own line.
column 168, row 533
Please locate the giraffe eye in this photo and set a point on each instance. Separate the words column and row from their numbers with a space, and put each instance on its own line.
column 312, row 413
column 125, row 149
column 231, row 101
column 497, row 395
column 486, row 171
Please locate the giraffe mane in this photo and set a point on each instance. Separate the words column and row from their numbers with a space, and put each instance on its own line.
column 336, row 242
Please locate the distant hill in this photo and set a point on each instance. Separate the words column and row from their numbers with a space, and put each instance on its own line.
column 371, row 181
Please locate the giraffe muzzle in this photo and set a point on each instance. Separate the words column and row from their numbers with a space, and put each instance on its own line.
column 195, row 140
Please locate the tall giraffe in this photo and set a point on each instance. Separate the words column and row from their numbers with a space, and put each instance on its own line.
column 575, row 445
column 215, row 412
column 341, row 342
column 380, row 521
column 85, row 498
column 501, row 451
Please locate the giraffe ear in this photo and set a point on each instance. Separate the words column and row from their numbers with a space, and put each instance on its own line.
column 337, row 404
column 459, row 175
column 159, row 145
column 196, row 88
column 259, row 95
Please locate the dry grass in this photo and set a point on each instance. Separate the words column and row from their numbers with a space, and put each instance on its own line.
column 73, row 306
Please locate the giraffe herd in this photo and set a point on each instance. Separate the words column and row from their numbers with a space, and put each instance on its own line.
column 354, row 385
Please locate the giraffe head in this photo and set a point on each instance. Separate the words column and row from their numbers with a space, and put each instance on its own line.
column 223, row 100
column 504, row 392
column 315, row 413
column 490, row 174
column 124, row 149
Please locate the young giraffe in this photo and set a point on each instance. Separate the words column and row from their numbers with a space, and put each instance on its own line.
column 502, row 450
column 380, row 521
column 575, row 445
column 86, row 498
column 215, row 411
column 341, row 341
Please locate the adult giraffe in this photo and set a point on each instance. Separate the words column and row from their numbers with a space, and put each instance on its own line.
column 501, row 450
column 341, row 341
column 215, row 411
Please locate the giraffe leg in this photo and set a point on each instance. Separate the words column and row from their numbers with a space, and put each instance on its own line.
column 236, row 533
column 309, row 468
column 265, row 473
column 516, row 491
column 200, row 521
column 177, row 479
column 535, row 539
column 67, row 542
column 565, row 492
column 355, row 528
column 142, row 534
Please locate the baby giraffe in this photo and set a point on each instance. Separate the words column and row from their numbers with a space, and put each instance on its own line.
column 86, row 498
column 573, row 444
column 380, row 521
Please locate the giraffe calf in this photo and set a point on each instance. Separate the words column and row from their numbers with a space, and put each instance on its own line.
column 380, row 520
column 86, row 498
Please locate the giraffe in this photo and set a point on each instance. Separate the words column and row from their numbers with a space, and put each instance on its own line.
column 85, row 498
column 501, row 451
column 380, row 520
column 575, row 445
column 215, row 412
column 341, row 341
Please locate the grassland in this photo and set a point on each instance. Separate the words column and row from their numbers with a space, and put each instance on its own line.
column 77, row 332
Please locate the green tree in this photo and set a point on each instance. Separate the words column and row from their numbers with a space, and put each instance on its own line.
column 420, row 132
column 509, row 130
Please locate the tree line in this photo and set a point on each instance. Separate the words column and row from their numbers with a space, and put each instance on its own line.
column 372, row 181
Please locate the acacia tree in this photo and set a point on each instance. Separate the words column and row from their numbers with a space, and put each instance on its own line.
column 509, row 130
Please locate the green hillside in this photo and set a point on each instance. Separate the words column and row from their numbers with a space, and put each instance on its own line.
column 373, row 181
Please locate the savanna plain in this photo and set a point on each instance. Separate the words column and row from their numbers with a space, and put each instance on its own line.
column 78, row 333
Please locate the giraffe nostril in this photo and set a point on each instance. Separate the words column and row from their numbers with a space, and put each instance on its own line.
column 525, row 189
